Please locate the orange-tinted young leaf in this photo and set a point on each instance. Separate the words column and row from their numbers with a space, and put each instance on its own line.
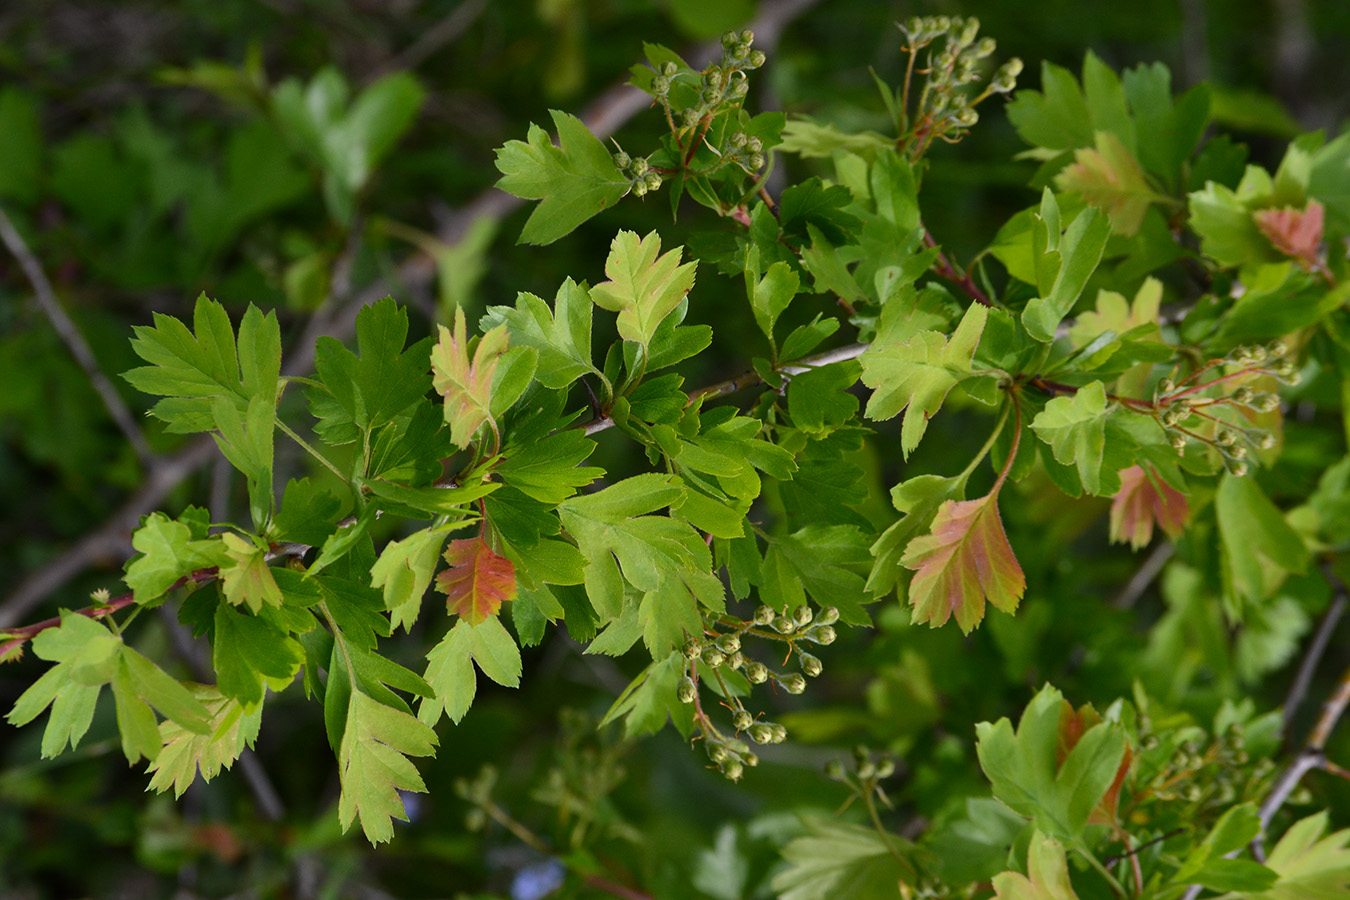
column 964, row 560
column 466, row 386
column 1297, row 233
column 478, row 580
column 1072, row 726
column 1143, row 499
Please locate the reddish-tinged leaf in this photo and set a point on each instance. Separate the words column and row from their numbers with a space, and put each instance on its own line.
column 1110, row 178
column 466, row 386
column 12, row 650
column 1072, row 726
column 478, row 580
column 1143, row 499
column 1297, row 233
column 965, row 560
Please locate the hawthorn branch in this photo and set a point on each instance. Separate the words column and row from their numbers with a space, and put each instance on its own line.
column 604, row 115
column 70, row 335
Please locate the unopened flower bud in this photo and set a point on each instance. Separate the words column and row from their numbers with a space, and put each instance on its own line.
column 783, row 625
column 1267, row 442
column 622, row 160
column 734, row 660
column 756, row 673
column 1243, row 394
column 1179, row 444
column 823, row 635
column 793, row 683
column 750, row 759
column 652, row 180
column 967, row 117
column 714, row 657
column 834, row 769
column 985, row 47
column 1238, row 469
column 886, row 768
column 639, row 188
column 747, row 36
column 757, row 59
column 867, row 770
column 718, row 754
column 761, row 733
column 741, row 719
column 733, row 769
column 764, row 615
column 729, row 643
column 1225, row 438
column 802, row 615
column 779, row 733
column 669, row 69
column 811, row 665
column 756, row 161
column 692, row 649
column 686, row 690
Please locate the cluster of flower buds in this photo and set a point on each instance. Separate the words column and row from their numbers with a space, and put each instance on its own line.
column 730, row 755
column 868, row 771
column 640, row 176
column 746, row 151
column 1206, row 774
column 945, row 108
column 1216, row 411
column 715, row 655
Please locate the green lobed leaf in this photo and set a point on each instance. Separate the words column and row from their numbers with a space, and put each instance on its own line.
column 186, row 752
column 379, row 382
column 562, row 335
column 450, row 667
column 1076, row 255
column 1075, row 427
column 192, row 369
column 86, row 654
column 1026, row 773
column 916, row 375
column 836, row 859
column 644, row 286
column 373, row 765
column 575, row 180
column 167, row 553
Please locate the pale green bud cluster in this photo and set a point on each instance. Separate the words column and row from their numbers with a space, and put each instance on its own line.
column 955, row 62
column 640, row 177
column 1213, row 408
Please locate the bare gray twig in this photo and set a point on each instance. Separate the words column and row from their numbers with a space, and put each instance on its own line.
column 70, row 335
column 1308, row 667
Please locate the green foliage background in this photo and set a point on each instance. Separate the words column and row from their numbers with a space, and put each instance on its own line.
column 137, row 165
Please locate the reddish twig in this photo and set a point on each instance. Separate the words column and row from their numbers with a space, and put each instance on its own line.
column 944, row 269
